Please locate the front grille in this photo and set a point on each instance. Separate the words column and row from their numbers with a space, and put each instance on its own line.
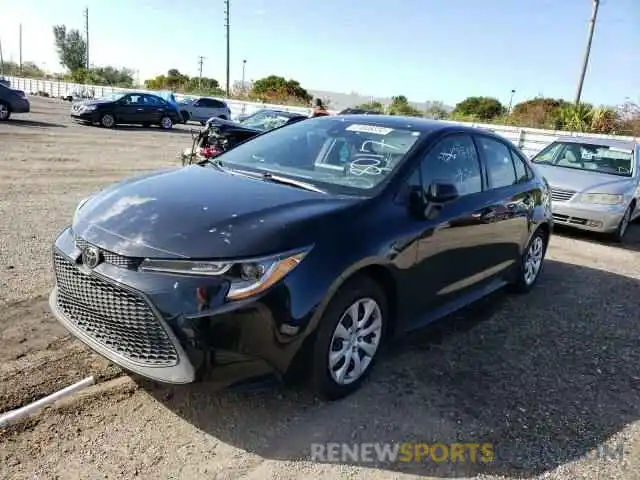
column 559, row 195
column 131, row 263
column 119, row 320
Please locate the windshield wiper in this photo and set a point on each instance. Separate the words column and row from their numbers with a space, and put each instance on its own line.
column 290, row 181
column 269, row 177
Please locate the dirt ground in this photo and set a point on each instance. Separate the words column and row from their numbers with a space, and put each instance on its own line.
column 547, row 378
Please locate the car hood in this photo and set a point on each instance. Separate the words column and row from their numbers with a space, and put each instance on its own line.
column 201, row 212
column 584, row 180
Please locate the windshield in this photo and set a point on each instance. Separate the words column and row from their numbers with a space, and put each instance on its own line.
column 587, row 156
column 333, row 153
column 265, row 120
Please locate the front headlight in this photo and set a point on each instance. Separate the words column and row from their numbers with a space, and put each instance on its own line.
column 247, row 277
column 602, row 198
column 88, row 108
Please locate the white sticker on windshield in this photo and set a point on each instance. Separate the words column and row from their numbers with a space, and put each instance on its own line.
column 587, row 155
column 369, row 129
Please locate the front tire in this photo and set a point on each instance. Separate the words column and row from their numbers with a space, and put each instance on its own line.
column 531, row 262
column 623, row 226
column 107, row 120
column 349, row 338
column 5, row 112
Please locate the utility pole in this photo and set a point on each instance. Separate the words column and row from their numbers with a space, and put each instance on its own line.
column 20, row 47
column 585, row 61
column 86, row 33
column 226, row 24
column 200, row 61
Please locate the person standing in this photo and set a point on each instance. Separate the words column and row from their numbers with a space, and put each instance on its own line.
column 319, row 110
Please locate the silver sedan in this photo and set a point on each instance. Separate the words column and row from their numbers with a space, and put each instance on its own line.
column 594, row 183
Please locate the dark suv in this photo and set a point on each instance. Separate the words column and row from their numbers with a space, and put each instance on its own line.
column 308, row 245
column 12, row 101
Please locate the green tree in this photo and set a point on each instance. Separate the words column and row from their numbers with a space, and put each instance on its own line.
column 275, row 88
column 372, row 106
column 71, row 47
column 400, row 106
column 539, row 113
column 29, row 70
column 576, row 118
column 481, row 108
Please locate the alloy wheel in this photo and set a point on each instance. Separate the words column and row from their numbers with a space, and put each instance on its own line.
column 533, row 260
column 355, row 341
column 107, row 121
column 166, row 123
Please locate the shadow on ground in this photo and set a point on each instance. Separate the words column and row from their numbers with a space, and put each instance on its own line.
column 545, row 378
column 34, row 123
column 138, row 128
column 630, row 242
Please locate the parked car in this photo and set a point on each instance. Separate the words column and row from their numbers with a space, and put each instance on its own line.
column 127, row 108
column 12, row 101
column 316, row 241
column 222, row 135
column 201, row 109
column 594, row 183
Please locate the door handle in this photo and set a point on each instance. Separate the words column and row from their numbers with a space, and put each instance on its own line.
column 484, row 214
column 140, row 109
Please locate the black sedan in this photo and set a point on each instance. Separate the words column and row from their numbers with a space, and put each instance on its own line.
column 308, row 245
column 132, row 108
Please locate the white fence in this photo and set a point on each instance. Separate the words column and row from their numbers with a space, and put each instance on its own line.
column 530, row 140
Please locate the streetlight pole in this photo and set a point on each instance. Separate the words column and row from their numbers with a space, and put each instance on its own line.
column 511, row 101
column 244, row 66
column 585, row 61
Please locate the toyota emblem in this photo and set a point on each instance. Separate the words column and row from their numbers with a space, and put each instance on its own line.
column 91, row 257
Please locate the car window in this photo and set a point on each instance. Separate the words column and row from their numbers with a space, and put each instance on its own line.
column 216, row 104
column 522, row 171
column 548, row 153
column 341, row 155
column 133, row 100
column 500, row 168
column 453, row 160
column 201, row 102
column 151, row 100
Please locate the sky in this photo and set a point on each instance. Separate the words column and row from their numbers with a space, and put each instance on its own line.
column 427, row 50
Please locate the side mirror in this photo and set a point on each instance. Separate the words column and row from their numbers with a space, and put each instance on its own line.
column 442, row 192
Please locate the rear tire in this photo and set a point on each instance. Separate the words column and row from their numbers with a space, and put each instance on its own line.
column 166, row 123
column 5, row 112
column 531, row 262
column 353, row 343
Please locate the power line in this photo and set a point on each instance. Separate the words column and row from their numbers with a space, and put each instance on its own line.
column 86, row 34
column 585, row 61
column 226, row 24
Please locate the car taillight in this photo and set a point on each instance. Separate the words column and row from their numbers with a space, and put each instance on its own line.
column 209, row 151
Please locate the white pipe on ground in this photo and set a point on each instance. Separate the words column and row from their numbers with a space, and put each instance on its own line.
column 14, row 415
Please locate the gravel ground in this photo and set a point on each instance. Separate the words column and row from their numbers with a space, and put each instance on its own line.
column 547, row 378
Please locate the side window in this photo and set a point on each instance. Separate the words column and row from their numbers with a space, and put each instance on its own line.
column 453, row 160
column 151, row 100
column 522, row 172
column 499, row 164
column 216, row 104
column 201, row 102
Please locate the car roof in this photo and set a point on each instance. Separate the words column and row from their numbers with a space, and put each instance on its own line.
column 423, row 125
column 605, row 142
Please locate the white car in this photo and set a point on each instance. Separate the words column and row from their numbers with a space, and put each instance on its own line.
column 201, row 109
